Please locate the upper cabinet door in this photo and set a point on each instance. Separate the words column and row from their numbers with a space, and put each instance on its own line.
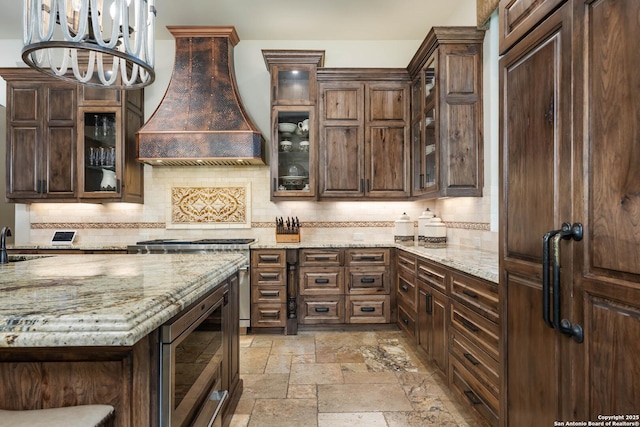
column 518, row 17
column 293, row 75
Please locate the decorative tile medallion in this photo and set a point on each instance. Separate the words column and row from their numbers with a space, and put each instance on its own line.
column 208, row 205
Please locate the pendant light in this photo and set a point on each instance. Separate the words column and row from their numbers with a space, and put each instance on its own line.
column 83, row 41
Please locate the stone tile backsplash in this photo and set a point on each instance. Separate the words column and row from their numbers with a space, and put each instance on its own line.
column 197, row 202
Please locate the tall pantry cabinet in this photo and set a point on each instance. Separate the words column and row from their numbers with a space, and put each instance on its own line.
column 570, row 203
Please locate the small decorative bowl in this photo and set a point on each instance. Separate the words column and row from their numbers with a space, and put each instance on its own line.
column 304, row 146
column 287, row 127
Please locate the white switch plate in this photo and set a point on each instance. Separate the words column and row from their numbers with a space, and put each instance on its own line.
column 358, row 237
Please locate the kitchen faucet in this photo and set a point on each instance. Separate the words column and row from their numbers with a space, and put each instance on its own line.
column 6, row 232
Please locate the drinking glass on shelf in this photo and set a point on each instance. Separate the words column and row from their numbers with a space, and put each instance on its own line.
column 103, row 156
column 96, row 125
column 112, row 156
column 105, row 126
column 92, row 156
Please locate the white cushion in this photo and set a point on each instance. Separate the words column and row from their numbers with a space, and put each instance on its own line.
column 70, row 416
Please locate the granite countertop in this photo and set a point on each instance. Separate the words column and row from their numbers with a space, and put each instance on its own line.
column 101, row 300
column 476, row 262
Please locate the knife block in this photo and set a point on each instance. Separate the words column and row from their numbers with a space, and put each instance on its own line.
column 288, row 237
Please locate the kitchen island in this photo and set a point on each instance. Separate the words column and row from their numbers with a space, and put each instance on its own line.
column 80, row 329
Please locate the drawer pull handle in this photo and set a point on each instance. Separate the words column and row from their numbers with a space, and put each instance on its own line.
column 472, row 397
column 405, row 288
column 269, row 276
column 322, row 280
column 366, row 258
column 471, row 359
column 322, row 258
column 470, row 326
column 470, row 294
column 269, row 293
column 322, row 309
column 429, row 303
column 367, row 280
column 270, row 258
column 368, row 309
column 405, row 320
column 270, row 315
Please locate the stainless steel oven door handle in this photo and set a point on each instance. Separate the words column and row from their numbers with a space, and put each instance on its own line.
column 208, row 416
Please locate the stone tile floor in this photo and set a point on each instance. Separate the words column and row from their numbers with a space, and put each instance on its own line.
column 341, row 378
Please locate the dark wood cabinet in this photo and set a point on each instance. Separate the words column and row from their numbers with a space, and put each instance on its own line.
column 569, row 154
column 70, row 143
column 446, row 114
column 41, row 140
column 268, row 288
column 363, row 133
column 294, row 148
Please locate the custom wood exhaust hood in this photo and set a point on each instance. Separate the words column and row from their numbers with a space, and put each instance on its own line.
column 201, row 119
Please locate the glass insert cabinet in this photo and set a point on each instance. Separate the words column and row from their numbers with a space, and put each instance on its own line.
column 101, row 153
column 294, row 151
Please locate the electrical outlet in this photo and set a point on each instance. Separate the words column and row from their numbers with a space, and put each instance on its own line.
column 358, row 237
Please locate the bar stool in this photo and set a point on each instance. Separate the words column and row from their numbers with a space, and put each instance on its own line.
column 69, row 416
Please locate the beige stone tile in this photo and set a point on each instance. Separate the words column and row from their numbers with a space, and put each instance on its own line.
column 284, row 413
column 302, row 391
column 245, row 405
column 354, row 367
column 362, row 398
column 352, row 419
column 316, row 373
column 293, row 347
column 420, row 419
column 304, row 358
column 278, row 364
column 246, row 340
column 238, row 420
column 345, row 339
column 262, row 341
column 338, row 355
column 265, row 386
column 370, row 377
column 253, row 360
column 419, row 385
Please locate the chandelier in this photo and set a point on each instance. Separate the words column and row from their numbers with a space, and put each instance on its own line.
column 104, row 43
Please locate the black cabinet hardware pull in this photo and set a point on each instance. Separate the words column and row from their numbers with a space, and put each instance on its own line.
column 322, row 258
column 321, row 310
column 469, row 293
column 270, row 315
column 367, row 280
column 551, row 243
column 470, row 326
column 405, row 320
column 367, row 309
column 322, row 280
column 472, row 397
column 471, row 359
column 405, row 288
column 367, row 258
column 269, row 293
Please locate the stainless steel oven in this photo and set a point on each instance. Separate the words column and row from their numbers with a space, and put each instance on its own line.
column 240, row 245
column 192, row 383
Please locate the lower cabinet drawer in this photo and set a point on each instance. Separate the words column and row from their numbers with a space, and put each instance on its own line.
column 265, row 315
column 407, row 320
column 477, row 329
column 270, row 294
column 321, row 309
column 480, row 364
column 321, row 280
column 368, row 309
column 470, row 391
column 371, row 280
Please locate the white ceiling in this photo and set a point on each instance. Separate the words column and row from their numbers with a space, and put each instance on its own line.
column 295, row 19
